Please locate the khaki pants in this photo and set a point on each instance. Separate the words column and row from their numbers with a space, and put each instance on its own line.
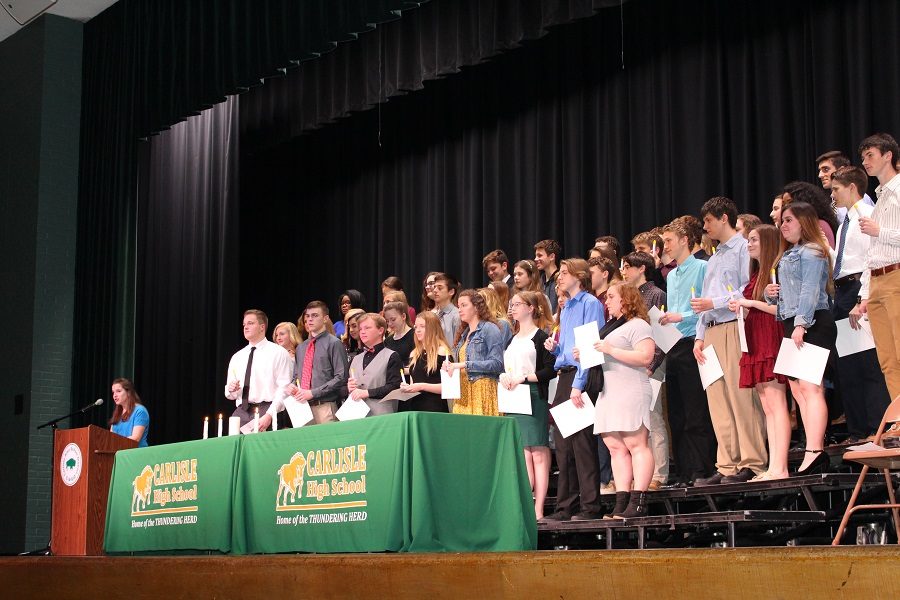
column 884, row 314
column 659, row 439
column 324, row 412
column 737, row 416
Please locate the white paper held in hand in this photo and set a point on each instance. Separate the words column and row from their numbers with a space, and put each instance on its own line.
column 665, row 336
column 806, row 363
column 655, row 386
column 742, row 332
column 399, row 396
column 585, row 337
column 710, row 371
column 351, row 410
column 551, row 389
column 571, row 419
column 516, row 400
column 299, row 412
column 450, row 385
column 851, row 341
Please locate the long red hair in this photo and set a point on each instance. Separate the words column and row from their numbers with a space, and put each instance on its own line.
column 124, row 410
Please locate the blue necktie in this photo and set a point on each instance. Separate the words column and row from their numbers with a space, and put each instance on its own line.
column 841, row 243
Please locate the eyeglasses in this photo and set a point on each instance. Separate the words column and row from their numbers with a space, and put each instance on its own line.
column 429, row 284
column 517, row 304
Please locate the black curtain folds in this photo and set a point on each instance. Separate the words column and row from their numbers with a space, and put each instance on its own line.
column 148, row 64
column 187, row 272
column 437, row 40
column 557, row 139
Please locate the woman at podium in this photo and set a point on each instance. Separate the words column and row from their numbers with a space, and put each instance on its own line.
column 129, row 419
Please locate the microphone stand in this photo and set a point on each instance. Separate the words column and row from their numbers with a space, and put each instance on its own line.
column 52, row 423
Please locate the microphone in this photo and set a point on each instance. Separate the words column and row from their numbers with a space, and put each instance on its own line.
column 97, row 402
column 53, row 422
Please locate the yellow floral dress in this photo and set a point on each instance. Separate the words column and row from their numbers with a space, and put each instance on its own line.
column 477, row 397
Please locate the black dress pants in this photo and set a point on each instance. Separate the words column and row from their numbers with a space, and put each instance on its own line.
column 578, row 486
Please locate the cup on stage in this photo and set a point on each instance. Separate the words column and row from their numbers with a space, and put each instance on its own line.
column 220, row 424
column 205, row 428
column 234, row 426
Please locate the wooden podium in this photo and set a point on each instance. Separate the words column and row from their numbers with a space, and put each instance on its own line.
column 83, row 462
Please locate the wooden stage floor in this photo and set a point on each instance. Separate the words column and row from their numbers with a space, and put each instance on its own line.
column 732, row 573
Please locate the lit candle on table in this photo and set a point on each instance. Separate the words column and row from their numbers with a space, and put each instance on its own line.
column 256, row 420
column 220, row 424
column 205, row 428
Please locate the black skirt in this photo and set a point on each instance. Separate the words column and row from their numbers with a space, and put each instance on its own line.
column 823, row 333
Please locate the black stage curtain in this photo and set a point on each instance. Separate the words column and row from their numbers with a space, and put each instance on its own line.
column 557, row 139
column 146, row 65
column 187, row 272
column 435, row 41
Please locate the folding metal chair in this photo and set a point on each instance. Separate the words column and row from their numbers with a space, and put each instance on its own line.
column 886, row 461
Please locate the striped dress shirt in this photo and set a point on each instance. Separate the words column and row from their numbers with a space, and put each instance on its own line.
column 884, row 249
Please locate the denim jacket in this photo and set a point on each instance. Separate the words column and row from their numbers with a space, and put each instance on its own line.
column 484, row 354
column 803, row 275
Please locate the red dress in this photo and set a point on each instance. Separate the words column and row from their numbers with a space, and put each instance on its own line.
column 764, row 335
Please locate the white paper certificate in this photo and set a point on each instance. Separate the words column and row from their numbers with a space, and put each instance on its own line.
column 655, row 386
column 850, row 341
column 400, row 396
column 806, row 363
column 742, row 333
column 570, row 419
column 551, row 389
column 450, row 385
column 351, row 410
column 665, row 336
column 712, row 369
column 516, row 400
column 299, row 412
column 585, row 337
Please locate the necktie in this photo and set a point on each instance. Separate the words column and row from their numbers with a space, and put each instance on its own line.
column 306, row 375
column 245, row 393
column 841, row 243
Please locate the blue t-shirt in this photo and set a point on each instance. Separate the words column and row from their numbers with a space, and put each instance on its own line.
column 140, row 416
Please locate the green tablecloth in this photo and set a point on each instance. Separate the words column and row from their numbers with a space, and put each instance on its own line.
column 412, row 482
column 173, row 497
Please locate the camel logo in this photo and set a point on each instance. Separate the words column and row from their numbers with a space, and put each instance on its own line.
column 290, row 480
column 70, row 463
column 143, row 485
column 165, row 488
column 329, row 478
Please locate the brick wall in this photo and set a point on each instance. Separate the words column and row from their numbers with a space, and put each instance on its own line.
column 40, row 107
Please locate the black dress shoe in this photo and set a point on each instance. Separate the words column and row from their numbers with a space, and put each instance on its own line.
column 586, row 515
column 715, row 479
column 558, row 516
column 821, row 462
column 742, row 476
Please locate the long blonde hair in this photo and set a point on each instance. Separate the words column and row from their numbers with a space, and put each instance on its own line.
column 433, row 344
column 293, row 332
column 492, row 298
